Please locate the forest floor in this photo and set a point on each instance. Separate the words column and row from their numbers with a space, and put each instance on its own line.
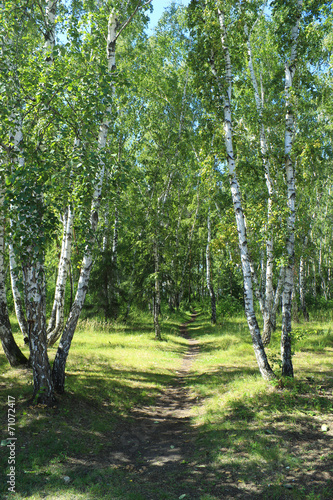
column 196, row 423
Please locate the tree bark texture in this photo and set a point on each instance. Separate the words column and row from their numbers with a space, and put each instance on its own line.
column 36, row 316
column 59, row 365
column 18, row 305
column 269, row 291
column 259, row 350
column 302, row 287
column 290, row 69
column 209, row 271
column 56, row 322
column 13, row 353
column 157, row 295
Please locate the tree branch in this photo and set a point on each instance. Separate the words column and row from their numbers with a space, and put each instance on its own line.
column 126, row 23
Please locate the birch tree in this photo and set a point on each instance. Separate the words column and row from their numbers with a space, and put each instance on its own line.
column 10, row 347
column 290, row 70
column 259, row 101
column 118, row 20
column 224, row 84
column 209, row 271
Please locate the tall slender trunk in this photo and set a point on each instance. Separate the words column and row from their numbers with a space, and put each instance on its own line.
column 17, row 138
column 58, row 372
column 277, row 297
column 34, row 289
column 259, row 350
column 36, row 316
column 208, row 272
column 57, row 318
column 290, row 69
column 157, row 295
column 18, row 305
column 33, row 269
column 189, row 246
column 302, row 282
column 11, row 349
column 269, row 291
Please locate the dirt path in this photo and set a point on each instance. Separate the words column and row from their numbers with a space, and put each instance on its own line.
column 157, row 449
column 159, row 434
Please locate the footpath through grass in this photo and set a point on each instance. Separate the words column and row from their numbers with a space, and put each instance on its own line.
column 255, row 440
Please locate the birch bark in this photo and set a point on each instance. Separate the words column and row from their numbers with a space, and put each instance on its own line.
column 57, row 318
column 208, row 272
column 11, row 349
column 260, row 354
column 14, row 269
column 290, row 70
column 269, row 291
column 157, row 295
column 58, row 372
column 34, row 272
column 302, row 283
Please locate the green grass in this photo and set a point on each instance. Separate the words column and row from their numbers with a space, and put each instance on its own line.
column 111, row 369
column 259, row 429
column 256, row 435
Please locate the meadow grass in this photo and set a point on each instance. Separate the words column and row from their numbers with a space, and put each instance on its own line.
column 248, row 430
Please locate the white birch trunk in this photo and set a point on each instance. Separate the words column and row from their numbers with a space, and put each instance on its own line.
column 67, row 336
column 11, row 349
column 50, row 31
column 57, row 318
column 290, row 69
column 269, row 290
column 302, row 282
column 34, row 274
column 58, row 311
column 208, row 273
column 19, row 311
column 17, row 138
column 157, row 295
column 260, row 354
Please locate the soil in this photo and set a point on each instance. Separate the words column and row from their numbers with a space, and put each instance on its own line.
column 157, row 450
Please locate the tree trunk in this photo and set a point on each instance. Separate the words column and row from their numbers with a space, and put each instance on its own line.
column 20, row 315
column 56, row 322
column 259, row 350
column 58, row 372
column 157, row 296
column 208, row 273
column 302, row 287
column 277, row 297
column 36, row 317
column 269, row 291
column 290, row 69
column 17, row 138
column 11, row 349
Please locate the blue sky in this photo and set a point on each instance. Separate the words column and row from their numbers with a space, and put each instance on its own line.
column 159, row 6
